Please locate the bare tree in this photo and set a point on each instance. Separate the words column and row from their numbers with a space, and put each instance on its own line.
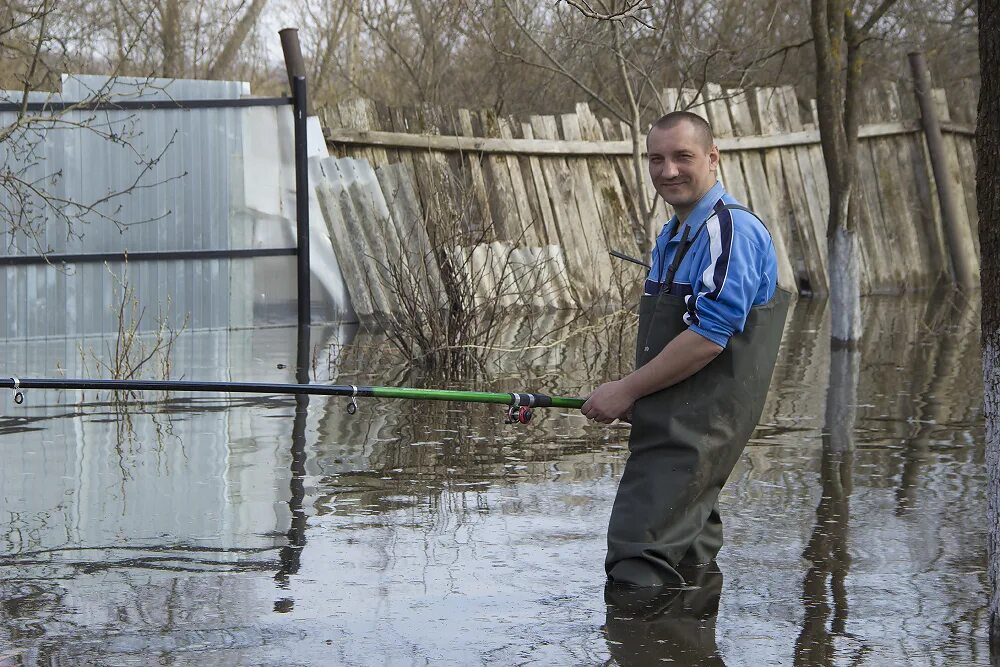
column 32, row 196
column 175, row 38
column 837, row 38
column 330, row 36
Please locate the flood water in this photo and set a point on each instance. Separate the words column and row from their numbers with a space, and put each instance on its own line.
column 209, row 530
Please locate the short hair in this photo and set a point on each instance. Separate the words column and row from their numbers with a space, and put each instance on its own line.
column 674, row 118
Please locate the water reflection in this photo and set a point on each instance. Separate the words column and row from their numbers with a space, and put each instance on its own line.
column 291, row 554
column 824, row 589
column 677, row 626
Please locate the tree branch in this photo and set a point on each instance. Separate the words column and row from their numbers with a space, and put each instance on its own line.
column 631, row 10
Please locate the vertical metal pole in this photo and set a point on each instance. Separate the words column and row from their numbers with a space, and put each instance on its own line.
column 958, row 233
column 301, row 197
column 296, row 70
column 295, row 67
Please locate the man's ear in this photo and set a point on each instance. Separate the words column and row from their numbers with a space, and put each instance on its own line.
column 713, row 158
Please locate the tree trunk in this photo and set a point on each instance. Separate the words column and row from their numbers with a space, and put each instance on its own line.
column 232, row 47
column 170, row 38
column 845, row 287
column 836, row 111
column 988, row 204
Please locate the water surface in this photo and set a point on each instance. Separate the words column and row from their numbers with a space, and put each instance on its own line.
column 238, row 531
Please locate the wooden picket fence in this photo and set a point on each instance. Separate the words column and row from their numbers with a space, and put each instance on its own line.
column 563, row 189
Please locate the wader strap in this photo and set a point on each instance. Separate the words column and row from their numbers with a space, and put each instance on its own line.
column 682, row 251
column 729, row 207
column 686, row 244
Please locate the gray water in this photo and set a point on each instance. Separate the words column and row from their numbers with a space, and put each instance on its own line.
column 212, row 530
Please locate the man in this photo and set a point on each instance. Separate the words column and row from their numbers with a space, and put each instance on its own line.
column 710, row 321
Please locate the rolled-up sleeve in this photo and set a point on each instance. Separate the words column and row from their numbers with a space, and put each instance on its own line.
column 729, row 282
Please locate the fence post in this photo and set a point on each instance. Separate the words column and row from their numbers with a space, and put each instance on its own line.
column 295, row 67
column 957, row 233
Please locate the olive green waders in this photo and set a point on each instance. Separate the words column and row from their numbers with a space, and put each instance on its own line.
column 685, row 441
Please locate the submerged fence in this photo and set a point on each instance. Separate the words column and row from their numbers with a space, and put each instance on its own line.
column 567, row 184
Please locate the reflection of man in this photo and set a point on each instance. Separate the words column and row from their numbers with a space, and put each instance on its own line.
column 710, row 321
column 675, row 626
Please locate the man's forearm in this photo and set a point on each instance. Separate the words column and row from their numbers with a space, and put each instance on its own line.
column 684, row 356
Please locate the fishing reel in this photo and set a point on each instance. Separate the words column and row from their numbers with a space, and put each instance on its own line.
column 18, row 396
column 518, row 414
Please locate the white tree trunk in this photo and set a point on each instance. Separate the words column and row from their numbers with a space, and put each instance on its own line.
column 845, row 287
column 991, row 401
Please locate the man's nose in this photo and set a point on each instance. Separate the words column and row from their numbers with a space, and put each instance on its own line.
column 669, row 169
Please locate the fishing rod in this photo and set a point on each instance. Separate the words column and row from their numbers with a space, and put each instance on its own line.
column 520, row 405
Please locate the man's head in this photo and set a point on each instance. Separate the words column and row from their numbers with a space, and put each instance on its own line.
column 683, row 159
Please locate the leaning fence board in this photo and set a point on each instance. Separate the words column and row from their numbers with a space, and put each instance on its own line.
column 559, row 185
column 398, row 187
column 761, row 199
column 590, row 230
column 625, row 276
column 359, row 113
column 360, row 223
column 967, row 156
column 405, row 264
column 785, row 214
column 625, row 170
column 788, row 108
column 529, row 223
column 348, row 247
column 953, row 167
column 899, row 222
column 475, row 177
column 870, row 228
column 812, row 242
column 562, row 295
column 440, row 200
column 913, row 225
column 729, row 162
column 503, row 205
column 659, row 213
column 534, row 181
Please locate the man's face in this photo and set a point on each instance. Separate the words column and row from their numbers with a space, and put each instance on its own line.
column 681, row 167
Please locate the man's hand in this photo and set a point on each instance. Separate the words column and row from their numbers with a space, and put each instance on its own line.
column 608, row 402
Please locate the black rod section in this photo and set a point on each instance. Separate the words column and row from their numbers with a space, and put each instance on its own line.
column 627, row 258
column 187, row 385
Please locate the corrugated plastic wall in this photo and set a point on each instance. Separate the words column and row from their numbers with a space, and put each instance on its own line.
column 198, row 188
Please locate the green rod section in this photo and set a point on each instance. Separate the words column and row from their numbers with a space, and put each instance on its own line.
column 408, row 393
column 466, row 396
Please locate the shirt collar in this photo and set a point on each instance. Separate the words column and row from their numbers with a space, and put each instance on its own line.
column 701, row 210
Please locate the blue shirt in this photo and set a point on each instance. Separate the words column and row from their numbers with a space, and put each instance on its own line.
column 730, row 267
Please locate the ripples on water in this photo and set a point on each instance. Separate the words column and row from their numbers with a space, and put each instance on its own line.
column 257, row 531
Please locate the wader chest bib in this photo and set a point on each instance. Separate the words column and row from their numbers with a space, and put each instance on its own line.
column 685, row 441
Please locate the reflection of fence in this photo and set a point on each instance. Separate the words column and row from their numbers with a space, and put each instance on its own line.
column 568, row 180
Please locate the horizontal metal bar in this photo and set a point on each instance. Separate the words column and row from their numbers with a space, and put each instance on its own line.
column 163, row 105
column 143, row 256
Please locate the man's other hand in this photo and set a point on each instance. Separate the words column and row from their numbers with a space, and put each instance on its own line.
column 608, row 402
